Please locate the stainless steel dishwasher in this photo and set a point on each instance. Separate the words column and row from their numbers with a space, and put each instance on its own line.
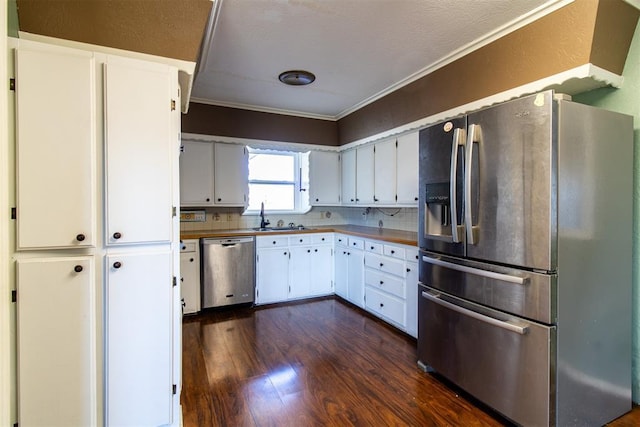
column 228, row 271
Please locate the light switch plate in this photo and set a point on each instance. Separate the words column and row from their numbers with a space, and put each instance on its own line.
column 193, row 216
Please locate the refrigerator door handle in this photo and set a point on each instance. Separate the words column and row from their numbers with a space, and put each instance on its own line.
column 510, row 326
column 476, row 271
column 474, row 136
column 459, row 136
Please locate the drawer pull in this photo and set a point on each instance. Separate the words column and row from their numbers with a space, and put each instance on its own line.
column 481, row 317
column 381, row 282
column 78, row 268
column 393, row 252
column 80, row 237
column 117, row 264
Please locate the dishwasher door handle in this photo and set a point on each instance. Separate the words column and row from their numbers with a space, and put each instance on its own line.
column 228, row 245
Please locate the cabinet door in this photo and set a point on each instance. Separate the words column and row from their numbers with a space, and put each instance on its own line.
column 385, row 173
column 139, row 150
column 272, row 275
column 300, row 272
column 321, row 270
column 348, row 174
column 407, row 169
column 342, row 272
column 231, row 181
column 411, row 285
column 139, row 339
column 364, row 175
column 190, row 281
column 324, row 178
column 196, row 174
column 356, row 277
column 56, row 342
column 55, row 149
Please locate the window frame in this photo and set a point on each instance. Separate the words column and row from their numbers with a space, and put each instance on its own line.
column 300, row 194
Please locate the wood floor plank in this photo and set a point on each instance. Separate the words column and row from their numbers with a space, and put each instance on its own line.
column 316, row 363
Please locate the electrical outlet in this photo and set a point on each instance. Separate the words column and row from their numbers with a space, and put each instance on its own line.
column 229, row 217
column 216, row 217
column 380, row 224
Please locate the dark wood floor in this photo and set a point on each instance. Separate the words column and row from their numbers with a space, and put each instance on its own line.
column 318, row 363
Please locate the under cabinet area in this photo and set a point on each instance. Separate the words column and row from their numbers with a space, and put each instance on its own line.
column 213, row 174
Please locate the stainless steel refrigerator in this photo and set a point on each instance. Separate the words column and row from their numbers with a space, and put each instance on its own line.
column 525, row 274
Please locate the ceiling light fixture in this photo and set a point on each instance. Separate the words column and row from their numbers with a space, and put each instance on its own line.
column 296, row 77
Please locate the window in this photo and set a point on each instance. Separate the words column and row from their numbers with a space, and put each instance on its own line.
column 279, row 180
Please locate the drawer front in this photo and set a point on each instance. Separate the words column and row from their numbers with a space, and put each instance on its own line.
column 272, row 241
column 356, row 243
column 300, row 239
column 342, row 240
column 385, row 306
column 375, row 247
column 319, row 239
column 372, row 260
column 188, row 246
column 394, row 251
column 384, row 282
column 455, row 338
column 393, row 266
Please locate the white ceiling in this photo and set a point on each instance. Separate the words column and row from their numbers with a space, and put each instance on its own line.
column 359, row 50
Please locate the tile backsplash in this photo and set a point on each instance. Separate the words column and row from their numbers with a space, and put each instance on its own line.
column 232, row 218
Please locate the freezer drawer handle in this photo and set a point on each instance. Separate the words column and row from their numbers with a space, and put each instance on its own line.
column 481, row 317
column 476, row 271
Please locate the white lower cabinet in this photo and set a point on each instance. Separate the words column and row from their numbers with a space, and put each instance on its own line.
column 391, row 284
column 139, row 339
column 349, row 269
column 56, row 316
column 190, row 272
column 293, row 267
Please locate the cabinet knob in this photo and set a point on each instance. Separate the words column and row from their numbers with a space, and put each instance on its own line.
column 182, row 279
column 354, row 243
column 77, row 268
column 357, row 200
column 322, row 239
column 415, row 198
column 219, row 199
column 371, row 247
column 191, row 260
column 317, row 200
column 117, row 264
column 300, row 240
column 308, row 250
column 80, row 237
column 274, row 242
column 375, row 199
column 117, row 235
column 381, row 264
column 352, row 200
column 393, row 252
column 315, row 250
column 208, row 199
column 285, row 253
column 408, row 270
column 381, row 282
column 348, row 253
column 381, row 305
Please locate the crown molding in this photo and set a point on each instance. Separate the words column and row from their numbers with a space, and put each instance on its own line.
column 264, row 109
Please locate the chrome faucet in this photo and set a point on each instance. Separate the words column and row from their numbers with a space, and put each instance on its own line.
column 263, row 223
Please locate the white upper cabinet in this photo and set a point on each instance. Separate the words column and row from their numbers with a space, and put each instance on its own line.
column 407, row 169
column 231, row 174
column 385, row 173
column 139, row 146
column 365, row 164
column 324, row 178
column 55, row 150
column 348, row 174
column 196, row 174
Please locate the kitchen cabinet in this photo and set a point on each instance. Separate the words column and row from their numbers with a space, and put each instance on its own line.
column 111, row 351
column 55, row 149
column 139, row 333
column 213, row 174
column 384, row 173
column 365, row 164
column 391, row 283
column 231, row 174
column 196, row 174
column 294, row 266
column 348, row 175
column 56, row 317
column 139, row 145
column 341, row 267
column 407, row 169
column 190, row 272
column 411, row 283
column 272, row 268
column 324, row 178
column 349, row 268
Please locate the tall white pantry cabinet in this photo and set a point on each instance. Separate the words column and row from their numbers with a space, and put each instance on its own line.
column 97, row 232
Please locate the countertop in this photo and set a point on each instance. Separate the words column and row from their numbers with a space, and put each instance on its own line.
column 385, row 234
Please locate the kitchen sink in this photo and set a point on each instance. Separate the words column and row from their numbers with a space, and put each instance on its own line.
column 300, row 228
